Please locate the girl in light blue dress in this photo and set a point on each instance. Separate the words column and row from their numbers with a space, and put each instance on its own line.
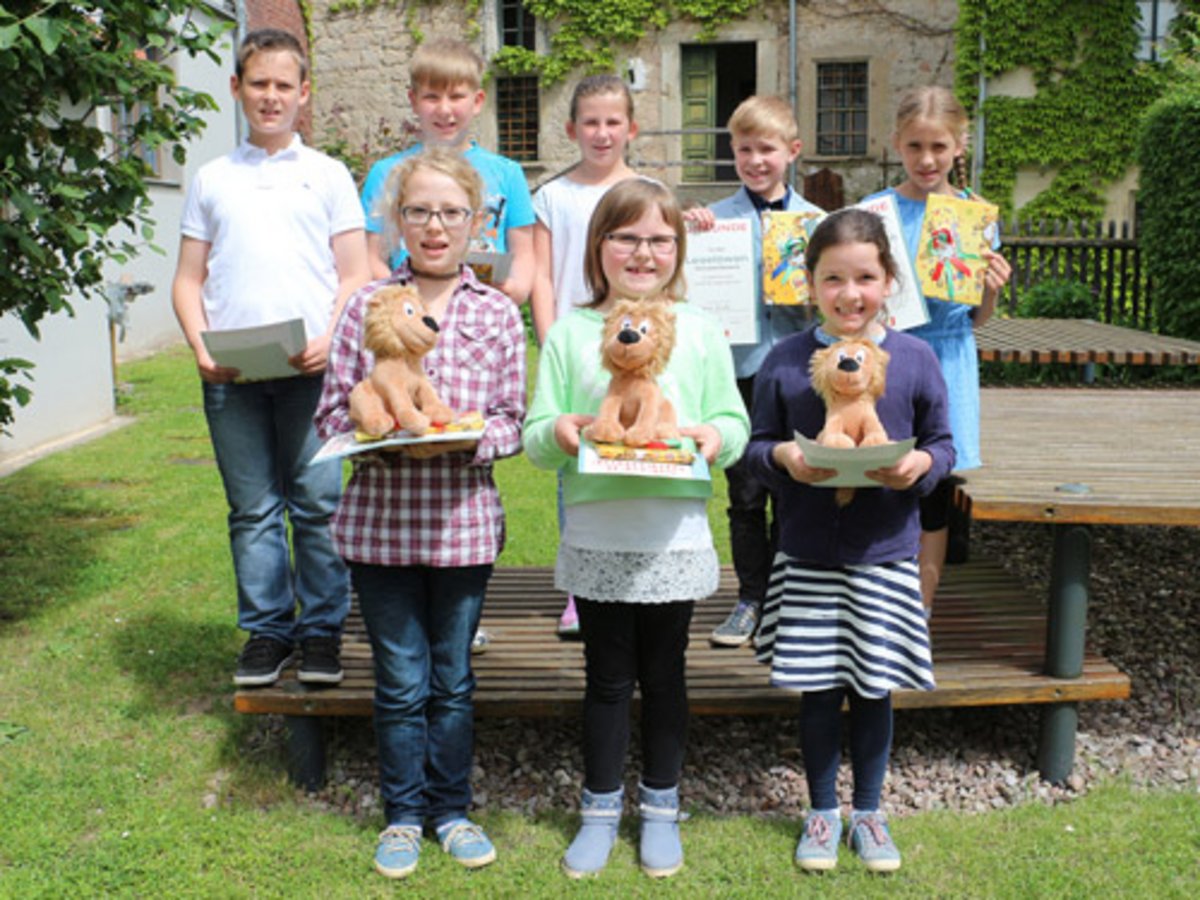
column 930, row 137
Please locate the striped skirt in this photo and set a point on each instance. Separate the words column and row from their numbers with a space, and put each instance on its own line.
column 861, row 627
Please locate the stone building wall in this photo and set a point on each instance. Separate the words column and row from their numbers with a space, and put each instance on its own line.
column 360, row 60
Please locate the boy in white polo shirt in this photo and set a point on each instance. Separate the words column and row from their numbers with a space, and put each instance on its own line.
column 274, row 231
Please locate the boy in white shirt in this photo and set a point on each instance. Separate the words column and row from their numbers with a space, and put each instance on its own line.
column 270, row 232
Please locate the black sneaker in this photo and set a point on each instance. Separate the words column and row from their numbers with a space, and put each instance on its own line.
column 320, row 660
column 261, row 661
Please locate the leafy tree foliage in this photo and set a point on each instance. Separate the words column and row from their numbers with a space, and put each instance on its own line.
column 66, row 184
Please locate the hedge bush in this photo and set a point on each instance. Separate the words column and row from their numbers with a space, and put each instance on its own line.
column 1169, row 202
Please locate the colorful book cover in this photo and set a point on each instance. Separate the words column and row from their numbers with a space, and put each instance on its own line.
column 905, row 305
column 784, row 240
column 645, row 462
column 950, row 256
column 467, row 427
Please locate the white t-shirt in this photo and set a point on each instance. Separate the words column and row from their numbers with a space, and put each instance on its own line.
column 269, row 220
column 565, row 207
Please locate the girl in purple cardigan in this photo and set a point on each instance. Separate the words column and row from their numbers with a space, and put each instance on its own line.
column 843, row 618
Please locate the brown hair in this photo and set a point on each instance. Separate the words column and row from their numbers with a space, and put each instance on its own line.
column 270, row 40
column 624, row 203
column 595, row 85
column 764, row 116
column 437, row 159
column 938, row 105
column 444, row 63
column 850, row 226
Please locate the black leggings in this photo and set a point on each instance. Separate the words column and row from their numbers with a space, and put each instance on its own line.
column 628, row 644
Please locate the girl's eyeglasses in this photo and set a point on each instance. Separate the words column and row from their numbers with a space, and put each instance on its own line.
column 450, row 217
column 626, row 244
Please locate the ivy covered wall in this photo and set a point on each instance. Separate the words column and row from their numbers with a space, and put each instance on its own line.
column 1082, row 121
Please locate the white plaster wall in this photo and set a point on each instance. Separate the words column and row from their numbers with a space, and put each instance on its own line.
column 73, row 375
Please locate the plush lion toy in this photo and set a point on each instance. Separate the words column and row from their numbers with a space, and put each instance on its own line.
column 639, row 336
column 396, row 394
column 850, row 376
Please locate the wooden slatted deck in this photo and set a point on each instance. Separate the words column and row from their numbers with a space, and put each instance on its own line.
column 988, row 635
column 1080, row 342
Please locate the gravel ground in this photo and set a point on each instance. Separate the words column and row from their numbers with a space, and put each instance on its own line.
column 1144, row 616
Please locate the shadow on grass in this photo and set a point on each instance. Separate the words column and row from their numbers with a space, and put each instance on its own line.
column 184, row 668
column 48, row 534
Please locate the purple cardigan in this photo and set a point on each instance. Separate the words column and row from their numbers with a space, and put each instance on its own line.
column 879, row 524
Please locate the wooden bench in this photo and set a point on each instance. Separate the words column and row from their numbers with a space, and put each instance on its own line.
column 1080, row 342
column 1074, row 458
column 988, row 642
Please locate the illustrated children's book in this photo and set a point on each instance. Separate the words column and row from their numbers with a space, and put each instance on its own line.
column 905, row 305
column 659, row 459
column 950, row 255
column 467, row 427
column 784, row 240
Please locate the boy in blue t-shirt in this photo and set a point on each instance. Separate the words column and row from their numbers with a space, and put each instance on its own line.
column 765, row 142
column 446, row 94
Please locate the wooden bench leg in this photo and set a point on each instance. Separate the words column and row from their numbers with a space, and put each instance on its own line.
column 306, row 751
column 1066, row 629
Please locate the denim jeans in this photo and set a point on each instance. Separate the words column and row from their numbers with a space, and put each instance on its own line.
column 751, row 542
column 421, row 621
column 263, row 437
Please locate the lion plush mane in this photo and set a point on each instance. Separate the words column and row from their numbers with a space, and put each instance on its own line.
column 639, row 336
column 397, row 394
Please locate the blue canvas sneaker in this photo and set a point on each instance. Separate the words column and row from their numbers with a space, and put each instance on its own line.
column 818, row 847
column 398, row 850
column 466, row 843
column 872, row 841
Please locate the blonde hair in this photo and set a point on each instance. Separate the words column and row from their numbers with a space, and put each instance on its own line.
column 623, row 204
column 442, row 160
column 445, row 63
column 764, row 116
column 938, row 105
column 594, row 86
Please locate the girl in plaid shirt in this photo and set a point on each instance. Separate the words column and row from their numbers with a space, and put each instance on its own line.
column 421, row 527
column 636, row 552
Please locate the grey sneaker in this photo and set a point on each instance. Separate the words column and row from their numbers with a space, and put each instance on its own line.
column 872, row 841
column 818, row 847
column 738, row 627
column 480, row 642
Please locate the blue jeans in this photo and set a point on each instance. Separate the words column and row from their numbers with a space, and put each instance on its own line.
column 421, row 621
column 263, row 437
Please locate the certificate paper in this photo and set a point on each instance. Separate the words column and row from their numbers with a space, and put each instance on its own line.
column 852, row 462
column 905, row 304
column 720, row 277
column 258, row 353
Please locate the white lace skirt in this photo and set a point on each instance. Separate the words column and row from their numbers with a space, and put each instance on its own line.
column 660, row 577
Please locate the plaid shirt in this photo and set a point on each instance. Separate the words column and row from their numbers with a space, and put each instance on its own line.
column 443, row 511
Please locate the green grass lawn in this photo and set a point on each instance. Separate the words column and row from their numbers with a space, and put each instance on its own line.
column 123, row 769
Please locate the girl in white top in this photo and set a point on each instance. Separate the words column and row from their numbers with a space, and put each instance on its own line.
column 601, row 122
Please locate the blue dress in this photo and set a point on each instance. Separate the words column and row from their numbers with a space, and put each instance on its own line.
column 951, row 334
